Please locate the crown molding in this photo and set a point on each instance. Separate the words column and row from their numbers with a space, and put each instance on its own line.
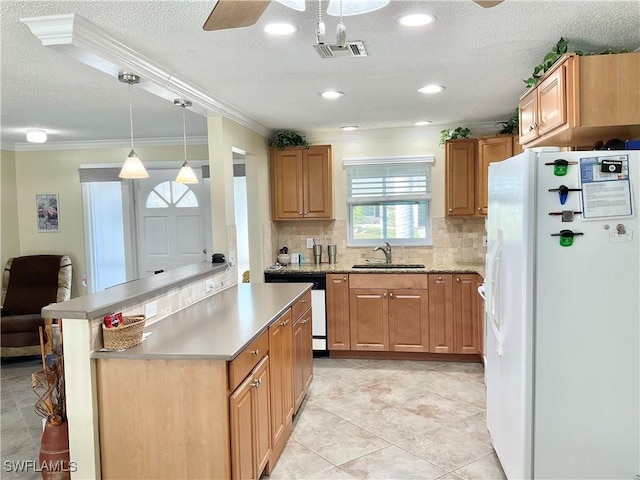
column 140, row 142
column 85, row 42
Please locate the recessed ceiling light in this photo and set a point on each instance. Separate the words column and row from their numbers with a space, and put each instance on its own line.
column 280, row 28
column 416, row 20
column 422, row 123
column 349, row 128
column 331, row 94
column 431, row 89
column 35, row 135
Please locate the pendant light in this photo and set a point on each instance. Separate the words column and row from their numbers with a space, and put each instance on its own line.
column 132, row 167
column 186, row 173
column 341, row 31
column 320, row 27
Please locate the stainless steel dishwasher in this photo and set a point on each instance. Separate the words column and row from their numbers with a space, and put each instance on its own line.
column 318, row 303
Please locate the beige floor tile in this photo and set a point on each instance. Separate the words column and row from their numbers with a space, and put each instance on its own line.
column 474, row 425
column 297, row 461
column 454, row 387
column 392, row 463
column 486, row 468
column 468, row 371
column 446, row 449
column 439, row 408
column 334, row 438
column 333, row 473
column 450, row 476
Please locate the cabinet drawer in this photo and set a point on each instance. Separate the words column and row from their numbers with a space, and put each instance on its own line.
column 302, row 305
column 240, row 366
column 389, row 280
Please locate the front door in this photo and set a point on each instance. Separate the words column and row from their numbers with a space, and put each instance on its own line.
column 173, row 222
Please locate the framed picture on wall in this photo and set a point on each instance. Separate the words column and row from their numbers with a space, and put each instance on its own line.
column 48, row 212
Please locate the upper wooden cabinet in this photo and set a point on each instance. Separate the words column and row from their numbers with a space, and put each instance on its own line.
column 581, row 100
column 467, row 171
column 301, row 183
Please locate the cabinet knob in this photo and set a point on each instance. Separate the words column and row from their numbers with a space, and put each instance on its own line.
column 299, row 213
column 384, row 294
column 439, row 278
column 451, row 209
column 479, row 208
column 306, row 213
column 457, row 279
column 391, row 294
column 344, row 279
column 255, row 352
column 255, row 383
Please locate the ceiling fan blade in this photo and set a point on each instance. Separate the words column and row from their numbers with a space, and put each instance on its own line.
column 488, row 3
column 235, row 13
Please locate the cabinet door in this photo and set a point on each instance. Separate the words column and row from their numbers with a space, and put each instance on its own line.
column 317, row 182
column 527, row 118
column 460, row 177
column 517, row 148
column 490, row 149
column 441, row 314
column 281, row 376
column 338, row 312
column 465, row 313
column 369, row 319
column 408, row 320
column 552, row 102
column 243, row 454
column 262, row 415
column 307, row 351
column 286, row 184
column 298, row 360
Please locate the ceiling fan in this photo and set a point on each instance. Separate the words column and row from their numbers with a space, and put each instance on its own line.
column 243, row 13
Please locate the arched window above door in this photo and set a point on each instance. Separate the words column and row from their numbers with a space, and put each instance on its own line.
column 175, row 194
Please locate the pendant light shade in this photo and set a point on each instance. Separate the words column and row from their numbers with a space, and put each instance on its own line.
column 133, row 167
column 186, row 173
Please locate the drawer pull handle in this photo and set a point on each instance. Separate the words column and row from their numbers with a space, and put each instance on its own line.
column 303, row 301
column 255, row 352
column 256, row 383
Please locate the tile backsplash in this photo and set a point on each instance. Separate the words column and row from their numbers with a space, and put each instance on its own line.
column 458, row 239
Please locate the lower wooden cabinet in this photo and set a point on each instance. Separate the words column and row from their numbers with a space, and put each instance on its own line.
column 302, row 358
column 409, row 320
column 338, row 333
column 441, row 314
column 250, row 415
column 281, row 376
column 467, row 316
column 369, row 319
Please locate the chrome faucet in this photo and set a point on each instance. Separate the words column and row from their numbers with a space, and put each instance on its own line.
column 386, row 250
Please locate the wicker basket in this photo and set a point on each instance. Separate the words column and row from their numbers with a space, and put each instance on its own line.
column 126, row 335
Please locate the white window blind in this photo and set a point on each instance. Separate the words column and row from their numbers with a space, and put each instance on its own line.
column 388, row 179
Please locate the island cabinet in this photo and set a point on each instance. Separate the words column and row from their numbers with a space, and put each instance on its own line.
column 301, row 183
column 250, row 415
column 467, row 171
column 583, row 99
column 281, row 375
column 455, row 313
column 302, row 350
column 388, row 312
column 338, row 335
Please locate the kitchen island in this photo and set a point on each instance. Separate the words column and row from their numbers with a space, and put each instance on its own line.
column 162, row 408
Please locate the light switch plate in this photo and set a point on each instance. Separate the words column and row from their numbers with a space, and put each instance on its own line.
column 309, row 242
column 151, row 309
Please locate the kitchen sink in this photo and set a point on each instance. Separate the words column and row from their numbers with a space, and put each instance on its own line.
column 389, row 265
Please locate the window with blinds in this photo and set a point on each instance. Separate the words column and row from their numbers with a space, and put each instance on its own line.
column 388, row 199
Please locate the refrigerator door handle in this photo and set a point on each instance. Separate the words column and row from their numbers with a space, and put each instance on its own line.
column 492, row 280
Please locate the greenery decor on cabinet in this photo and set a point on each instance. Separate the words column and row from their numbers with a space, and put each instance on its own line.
column 449, row 134
column 288, row 138
column 511, row 126
column 559, row 49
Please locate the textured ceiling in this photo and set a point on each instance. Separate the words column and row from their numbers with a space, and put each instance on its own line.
column 480, row 55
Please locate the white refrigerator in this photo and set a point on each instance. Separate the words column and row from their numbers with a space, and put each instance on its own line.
column 562, row 314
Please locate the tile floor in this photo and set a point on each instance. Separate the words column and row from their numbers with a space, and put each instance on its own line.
column 362, row 419
column 382, row 419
